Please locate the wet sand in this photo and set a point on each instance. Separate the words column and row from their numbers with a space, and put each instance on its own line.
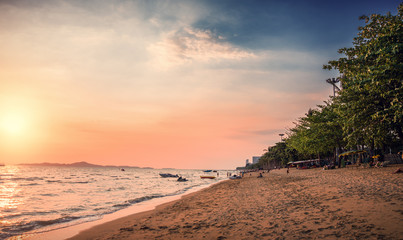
column 352, row 203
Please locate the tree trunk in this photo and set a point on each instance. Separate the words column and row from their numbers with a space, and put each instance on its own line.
column 399, row 133
column 334, row 155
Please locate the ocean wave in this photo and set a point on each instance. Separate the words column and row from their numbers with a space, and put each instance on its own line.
column 149, row 197
column 69, row 182
column 96, row 174
column 187, row 188
column 79, row 182
column 99, row 209
column 53, row 181
column 11, row 216
column 33, row 178
column 17, row 215
column 30, row 184
column 48, row 194
column 24, row 226
column 121, row 205
column 136, row 200
column 145, row 198
column 6, row 175
column 75, row 209
column 25, row 179
column 54, row 221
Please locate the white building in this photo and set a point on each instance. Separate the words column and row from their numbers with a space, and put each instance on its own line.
column 255, row 160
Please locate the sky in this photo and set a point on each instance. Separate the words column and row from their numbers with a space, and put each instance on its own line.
column 165, row 84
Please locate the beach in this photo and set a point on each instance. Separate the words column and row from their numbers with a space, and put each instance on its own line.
column 349, row 203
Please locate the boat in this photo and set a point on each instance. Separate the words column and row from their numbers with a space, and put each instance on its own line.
column 235, row 177
column 181, row 179
column 168, row 175
column 207, row 170
column 207, row 177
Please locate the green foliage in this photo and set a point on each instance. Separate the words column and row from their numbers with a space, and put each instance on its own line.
column 368, row 109
column 317, row 133
column 370, row 102
column 278, row 155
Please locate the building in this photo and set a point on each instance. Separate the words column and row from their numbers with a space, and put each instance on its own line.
column 255, row 160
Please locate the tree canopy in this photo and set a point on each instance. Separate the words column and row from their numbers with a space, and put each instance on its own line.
column 318, row 133
column 370, row 102
column 278, row 155
column 368, row 109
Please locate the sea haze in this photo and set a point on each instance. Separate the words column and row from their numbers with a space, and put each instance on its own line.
column 36, row 199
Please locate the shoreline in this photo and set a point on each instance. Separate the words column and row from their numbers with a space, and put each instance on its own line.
column 138, row 208
column 309, row 204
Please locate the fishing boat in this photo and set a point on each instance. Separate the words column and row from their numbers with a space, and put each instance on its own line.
column 168, row 175
column 207, row 177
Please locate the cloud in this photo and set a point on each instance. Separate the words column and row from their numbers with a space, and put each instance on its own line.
column 188, row 45
column 265, row 132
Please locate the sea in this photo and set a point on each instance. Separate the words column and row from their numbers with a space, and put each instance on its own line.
column 38, row 199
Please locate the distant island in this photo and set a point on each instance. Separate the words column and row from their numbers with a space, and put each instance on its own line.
column 76, row 164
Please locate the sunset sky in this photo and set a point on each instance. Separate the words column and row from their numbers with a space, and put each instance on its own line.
column 180, row 84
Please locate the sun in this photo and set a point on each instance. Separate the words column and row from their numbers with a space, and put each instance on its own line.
column 24, row 127
column 13, row 124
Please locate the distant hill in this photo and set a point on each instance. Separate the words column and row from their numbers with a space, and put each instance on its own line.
column 76, row 164
column 83, row 164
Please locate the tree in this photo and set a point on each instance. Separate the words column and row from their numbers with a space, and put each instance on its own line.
column 278, row 155
column 370, row 101
column 318, row 133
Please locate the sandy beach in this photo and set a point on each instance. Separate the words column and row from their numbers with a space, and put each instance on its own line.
column 351, row 203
